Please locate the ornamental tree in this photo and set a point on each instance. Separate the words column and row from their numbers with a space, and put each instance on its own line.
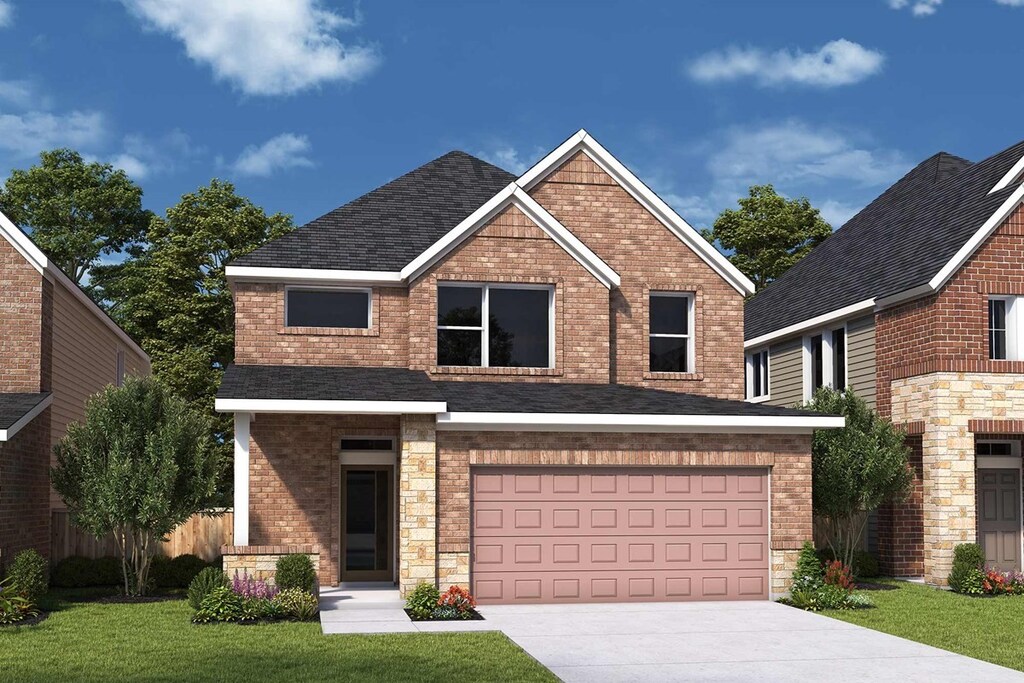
column 854, row 469
column 140, row 465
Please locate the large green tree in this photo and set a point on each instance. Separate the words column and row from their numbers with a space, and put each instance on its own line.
column 140, row 464
column 78, row 212
column 768, row 233
column 174, row 296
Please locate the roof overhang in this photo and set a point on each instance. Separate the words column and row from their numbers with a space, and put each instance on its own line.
column 606, row 422
column 861, row 307
column 8, row 433
column 585, row 143
column 262, row 405
column 312, row 276
column 1011, row 176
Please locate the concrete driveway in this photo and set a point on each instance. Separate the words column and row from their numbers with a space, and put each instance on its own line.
column 728, row 641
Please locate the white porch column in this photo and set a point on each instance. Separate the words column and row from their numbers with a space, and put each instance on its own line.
column 241, row 479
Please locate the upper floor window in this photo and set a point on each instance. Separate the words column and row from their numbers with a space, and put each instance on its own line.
column 1005, row 320
column 496, row 326
column 671, row 332
column 825, row 361
column 119, row 369
column 757, row 374
column 348, row 308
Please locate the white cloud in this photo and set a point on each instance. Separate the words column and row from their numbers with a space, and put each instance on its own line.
column 506, row 156
column 839, row 62
column 262, row 47
column 1011, row 3
column 837, row 213
column 26, row 134
column 919, row 8
column 6, row 14
column 141, row 157
column 282, row 152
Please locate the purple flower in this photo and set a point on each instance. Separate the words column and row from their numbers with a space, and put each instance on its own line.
column 251, row 587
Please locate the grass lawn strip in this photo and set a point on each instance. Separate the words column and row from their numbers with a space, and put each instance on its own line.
column 88, row 641
column 983, row 628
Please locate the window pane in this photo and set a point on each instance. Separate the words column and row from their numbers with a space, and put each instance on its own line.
column 458, row 347
column 323, row 308
column 519, row 333
column 669, row 354
column 1000, row 449
column 756, row 367
column 997, row 329
column 367, row 445
column 459, row 306
column 817, row 369
column 670, row 314
column 839, row 359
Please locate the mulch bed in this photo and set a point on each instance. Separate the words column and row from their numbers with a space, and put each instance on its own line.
column 476, row 616
column 31, row 621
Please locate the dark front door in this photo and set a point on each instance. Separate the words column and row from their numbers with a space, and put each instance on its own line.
column 367, row 523
column 999, row 522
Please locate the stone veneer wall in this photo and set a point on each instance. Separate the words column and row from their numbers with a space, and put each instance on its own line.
column 947, row 402
column 417, row 496
column 260, row 561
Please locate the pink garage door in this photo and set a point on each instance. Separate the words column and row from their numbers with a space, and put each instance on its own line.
column 612, row 534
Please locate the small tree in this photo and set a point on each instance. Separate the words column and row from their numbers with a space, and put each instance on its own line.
column 140, row 464
column 854, row 469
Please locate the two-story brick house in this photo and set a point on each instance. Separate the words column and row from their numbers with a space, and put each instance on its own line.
column 57, row 348
column 532, row 386
column 917, row 304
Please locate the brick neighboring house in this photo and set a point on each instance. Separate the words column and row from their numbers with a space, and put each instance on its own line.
column 57, row 348
column 532, row 386
column 917, row 304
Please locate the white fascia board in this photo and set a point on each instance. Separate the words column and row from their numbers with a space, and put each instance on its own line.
column 312, row 275
column 812, row 323
column 328, row 407
column 583, row 141
column 977, row 239
column 8, row 434
column 1011, row 175
column 601, row 422
column 23, row 244
column 905, row 295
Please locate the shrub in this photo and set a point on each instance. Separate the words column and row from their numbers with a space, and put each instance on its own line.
column 295, row 571
column 968, row 559
column 106, row 571
column 220, row 604
column 27, row 575
column 260, row 609
column 184, row 568
column 77, row 572
column 459, row 599
column 422, row 601
column 838, row 574
column 14, row 607
column 808, row 574
column 865, row 564
column 251, row 587
column 160, row 572
column 297, row 604
column 445, row 613
column 203, row 585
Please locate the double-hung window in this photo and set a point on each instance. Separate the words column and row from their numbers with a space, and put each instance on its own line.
column 671, row 332
column 825, row 361
column 343, row 308
column 757, row 375
column 495, row 326
column 1006, row 328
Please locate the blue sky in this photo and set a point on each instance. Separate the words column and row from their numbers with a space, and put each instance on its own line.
column 306, row 104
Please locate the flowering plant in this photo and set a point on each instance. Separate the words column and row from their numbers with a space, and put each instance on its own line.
column 251, row 587
column 458, row 599
column 838, row 574
column 996, row 582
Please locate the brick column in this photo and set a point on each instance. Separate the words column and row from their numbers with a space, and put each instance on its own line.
column 417, row 548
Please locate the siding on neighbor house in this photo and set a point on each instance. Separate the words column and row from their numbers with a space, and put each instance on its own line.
column 860, row 350
column 786, row 368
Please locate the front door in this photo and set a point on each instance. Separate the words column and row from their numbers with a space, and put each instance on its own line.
column 999, row 522
column 367, row 523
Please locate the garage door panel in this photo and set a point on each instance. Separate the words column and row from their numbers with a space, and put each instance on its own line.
column 511, row 518
column 612, row 484
column 574, row 553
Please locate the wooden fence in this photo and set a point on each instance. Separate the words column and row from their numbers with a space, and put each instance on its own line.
column 201, row 535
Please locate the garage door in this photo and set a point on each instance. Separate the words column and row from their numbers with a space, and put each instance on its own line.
column 602, row 535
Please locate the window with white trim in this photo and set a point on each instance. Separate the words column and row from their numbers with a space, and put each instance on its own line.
column 825, row 361
column 757, row 374
column 341, row 308
column 495, row 326
column 1006, row 328
column 671, row 332
column 119, row 369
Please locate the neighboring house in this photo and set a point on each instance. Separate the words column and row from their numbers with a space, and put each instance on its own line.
column 57, row 348
column 532, row 386
column 917, row 303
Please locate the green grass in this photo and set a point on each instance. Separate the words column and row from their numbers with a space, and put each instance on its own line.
column 983, row 628
column 156, row 642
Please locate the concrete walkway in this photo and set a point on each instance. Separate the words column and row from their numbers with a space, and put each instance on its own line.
column 370, row 608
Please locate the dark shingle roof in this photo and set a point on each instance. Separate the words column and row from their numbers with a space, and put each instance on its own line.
column 300, row 382
column 389, row 227
column 897, row 242
column 13, row 407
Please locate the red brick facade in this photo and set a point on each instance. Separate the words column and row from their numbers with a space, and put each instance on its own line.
column 25, row 490
column 901, row 527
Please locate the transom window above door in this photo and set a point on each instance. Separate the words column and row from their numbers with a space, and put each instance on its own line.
column 671, row 332
column 496, row 326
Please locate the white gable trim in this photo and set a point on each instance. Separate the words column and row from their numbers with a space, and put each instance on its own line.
column 1011, row 175
column 604, row 422
column 845, row 313
column 583, row 142
column 27, row 248
column 312, row 275
column 8, row 434
column 513, row 195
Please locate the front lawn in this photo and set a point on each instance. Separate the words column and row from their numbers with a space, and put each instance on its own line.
column 155, row 641
column 983, row 628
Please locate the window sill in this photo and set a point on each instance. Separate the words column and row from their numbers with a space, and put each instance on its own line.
column 510, row 372
column 331, row 331
column 675, row 376
column 759, row 399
